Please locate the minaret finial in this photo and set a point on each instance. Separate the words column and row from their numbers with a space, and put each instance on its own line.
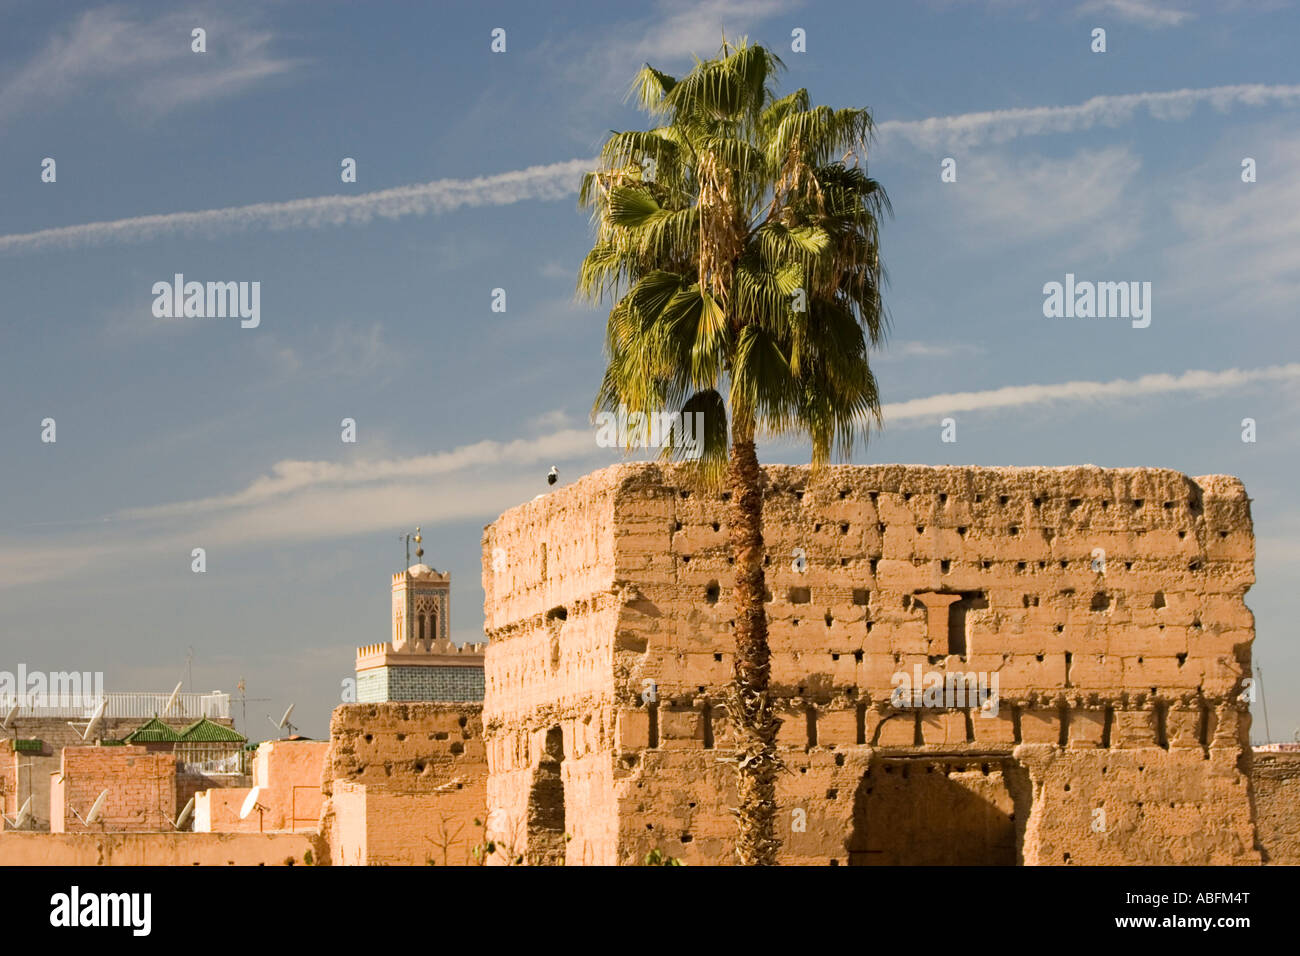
column 419, row 551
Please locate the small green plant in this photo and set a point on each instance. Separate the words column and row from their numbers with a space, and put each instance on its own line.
column 307, row 858
column 656, row 857
column 485, row 848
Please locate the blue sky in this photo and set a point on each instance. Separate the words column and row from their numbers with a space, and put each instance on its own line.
column 375, row 296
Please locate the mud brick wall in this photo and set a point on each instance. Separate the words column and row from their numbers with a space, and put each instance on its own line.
column 1108, row 602
column 141, row 787
column 551, row 613
column 55, row 733
column 419, row 766
column 375, row 826
column 157, row 849
column 1275, row 778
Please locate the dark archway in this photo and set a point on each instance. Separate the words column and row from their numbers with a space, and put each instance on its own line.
column 546, row 839
column 940, row 811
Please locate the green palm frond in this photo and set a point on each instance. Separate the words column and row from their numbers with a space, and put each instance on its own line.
column 738, row 247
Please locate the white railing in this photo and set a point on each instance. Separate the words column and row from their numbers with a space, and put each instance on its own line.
column 234, row 764
column 215, row 705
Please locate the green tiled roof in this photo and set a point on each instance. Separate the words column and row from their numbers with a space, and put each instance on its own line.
column 205, row 731
column 152, row 731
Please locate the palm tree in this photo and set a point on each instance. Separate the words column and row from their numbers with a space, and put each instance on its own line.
column 738, row 245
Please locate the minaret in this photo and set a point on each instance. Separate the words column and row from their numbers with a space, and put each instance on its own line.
column 419, row 661
column 421, row 605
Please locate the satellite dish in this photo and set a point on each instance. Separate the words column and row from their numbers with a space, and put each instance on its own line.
column 172, row 699
column 250, row 802
column 9, row 717
column 95, row 720
column 24, row 818
column 96, row 807
column 184, row 818
column 283, row 722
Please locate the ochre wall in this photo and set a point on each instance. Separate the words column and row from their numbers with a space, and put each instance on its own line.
column 141, row 787
column 400, row 780
column 376, row 826
column 154, row 849
column 1276, row 780
column 1134, row 663
column 542, row 671
column 288, row 773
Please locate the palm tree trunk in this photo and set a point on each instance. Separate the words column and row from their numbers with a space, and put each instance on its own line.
column 753, row 720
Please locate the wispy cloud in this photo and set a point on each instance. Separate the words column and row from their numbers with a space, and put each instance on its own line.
column 925, row 350
column 1000, row 126
column 1027, row 198
column 313, row 500
column 668, row 35
column 553, row 181
column 686, row 27
column 1143, row 12
column 1214, row 210
column 145, row 64
column 347, row 351
column 1012, row 396
column 292, row 476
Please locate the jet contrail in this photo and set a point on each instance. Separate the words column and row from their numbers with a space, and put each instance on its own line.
column 560, row 180
column 553, row 181
column 935, row 406
column 998, row 126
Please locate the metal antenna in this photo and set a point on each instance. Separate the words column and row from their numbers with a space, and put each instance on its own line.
column 1263, row 703
column 243, row 701
column 419, row 551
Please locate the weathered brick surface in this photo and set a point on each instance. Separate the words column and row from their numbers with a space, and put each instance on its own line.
column 157, row 849
column 403, row 783
column 1108, row 602
column 1275, row 778
column 140, row 786
column 31, row 773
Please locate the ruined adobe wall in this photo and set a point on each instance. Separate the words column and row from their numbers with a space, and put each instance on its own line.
column 422, row 763
column 375, row 826
column 1109, row 602
column 551, row 617
column 1275, row 780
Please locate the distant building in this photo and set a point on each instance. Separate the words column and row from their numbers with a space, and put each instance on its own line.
column 39, row 733
column 420, row 662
